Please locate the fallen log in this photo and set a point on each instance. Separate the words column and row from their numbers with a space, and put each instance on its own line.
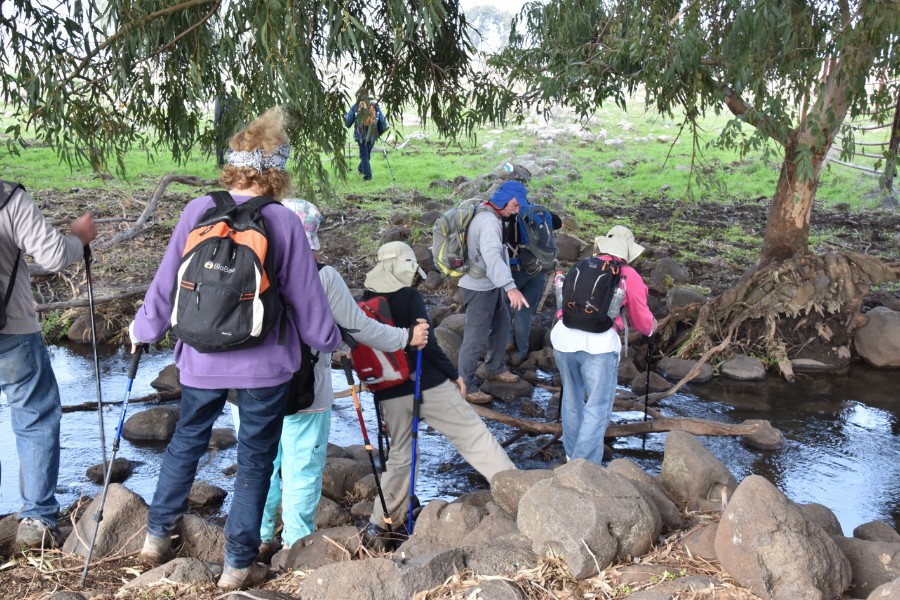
column 756, row 432
column 137, row 290
column 148, row 399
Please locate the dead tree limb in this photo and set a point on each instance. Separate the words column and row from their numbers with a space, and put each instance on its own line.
column 150, row 398
column 137, row 290
column 138, row 226
column 758, row 433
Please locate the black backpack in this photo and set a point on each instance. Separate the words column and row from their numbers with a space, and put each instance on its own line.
column 588, row 293
column 7, row 189
column 225, row 296
column 537, row 241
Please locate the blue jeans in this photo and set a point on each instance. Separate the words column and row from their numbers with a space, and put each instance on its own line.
column 27, row 379
column 531, row 287
column 261, row 413
column 301, row 459
column 365, row 153
column 584, row 422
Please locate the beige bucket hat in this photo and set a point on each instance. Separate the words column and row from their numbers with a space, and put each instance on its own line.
column 396, row 268
column 618, row 242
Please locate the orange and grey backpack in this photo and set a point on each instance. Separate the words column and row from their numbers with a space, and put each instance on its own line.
column 225, row 295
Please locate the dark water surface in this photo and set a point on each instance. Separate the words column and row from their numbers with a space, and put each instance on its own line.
column 842, row 436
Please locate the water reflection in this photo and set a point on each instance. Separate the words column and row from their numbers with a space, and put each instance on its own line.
column 842, row 448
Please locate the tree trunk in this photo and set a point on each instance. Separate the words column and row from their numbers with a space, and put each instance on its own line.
column 787, row 227
column 890, row 165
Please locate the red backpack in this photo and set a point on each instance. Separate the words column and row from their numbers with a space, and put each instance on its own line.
column 377, row 369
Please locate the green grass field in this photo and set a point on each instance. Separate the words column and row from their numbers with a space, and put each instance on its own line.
column 656, row 161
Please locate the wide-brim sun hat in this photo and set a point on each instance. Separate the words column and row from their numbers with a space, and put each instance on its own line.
column 396, row 268
column 618, row 242
column 310, row 216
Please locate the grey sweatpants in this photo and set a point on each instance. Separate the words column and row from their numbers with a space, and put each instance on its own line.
column 487, row 328
column 447, row 412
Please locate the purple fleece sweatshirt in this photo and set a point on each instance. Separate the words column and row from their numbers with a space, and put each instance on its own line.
column 269, row 363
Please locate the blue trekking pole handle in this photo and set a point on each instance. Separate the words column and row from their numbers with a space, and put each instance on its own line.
column 417, row 399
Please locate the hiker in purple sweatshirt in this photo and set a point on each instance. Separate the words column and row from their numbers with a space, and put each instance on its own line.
column 261, row 374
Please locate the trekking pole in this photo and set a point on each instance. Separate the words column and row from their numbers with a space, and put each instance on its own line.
column 383, row 439
column 348, row 371
column 417, row 401
column 647, row 390
column 98, row 516
column 87, row 270
column 384, row 152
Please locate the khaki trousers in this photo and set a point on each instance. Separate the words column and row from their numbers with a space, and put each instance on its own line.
column 447, row 412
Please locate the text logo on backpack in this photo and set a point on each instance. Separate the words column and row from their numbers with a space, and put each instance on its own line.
column 592, row 295
column 448, row 240
column 225, row 296
column 537, row 241
column 379, row 370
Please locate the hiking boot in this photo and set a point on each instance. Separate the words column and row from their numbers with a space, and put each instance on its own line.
column 235, row 579
column 157, row 550
column 34, row 533
column 478, row 397
column 503, row 377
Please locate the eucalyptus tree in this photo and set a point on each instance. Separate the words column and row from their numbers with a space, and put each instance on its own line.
column 789, row 72
column 94, row 78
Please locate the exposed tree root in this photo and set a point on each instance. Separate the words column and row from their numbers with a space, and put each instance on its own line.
column 806, row 304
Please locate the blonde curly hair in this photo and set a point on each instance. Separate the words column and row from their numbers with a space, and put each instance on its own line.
column 265, row 133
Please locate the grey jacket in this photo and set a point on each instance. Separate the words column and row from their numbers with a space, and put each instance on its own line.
column 366, row 331
column 487, row 252
column 23, row 226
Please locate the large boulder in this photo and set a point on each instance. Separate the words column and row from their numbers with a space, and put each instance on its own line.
column 878, row 341
column 689, row 470
column 877, row 531
column 189, row 571
column 156, row 424
column 320, row 548
column 822, row 516
column 873, row 563
column 744, row 368
column 381, row 578
column 120, row 532
column 201, row 539
column 888, row 591
column 508, row 487
column 340, row 476
column 206, row 495
column 767, row 544
column 441, row 526
column 122, row 468
column 450, row 342
column 674, row 369
column 605, row 518
column 651, row 489
column 331, row 514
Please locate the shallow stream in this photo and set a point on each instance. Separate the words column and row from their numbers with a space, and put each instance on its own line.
column 842, row 436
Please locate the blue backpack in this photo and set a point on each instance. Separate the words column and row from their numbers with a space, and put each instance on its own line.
column 537, row 241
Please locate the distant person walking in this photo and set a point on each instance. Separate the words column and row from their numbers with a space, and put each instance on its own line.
column 586, row 342
column 368, row 124
column 26, row 376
